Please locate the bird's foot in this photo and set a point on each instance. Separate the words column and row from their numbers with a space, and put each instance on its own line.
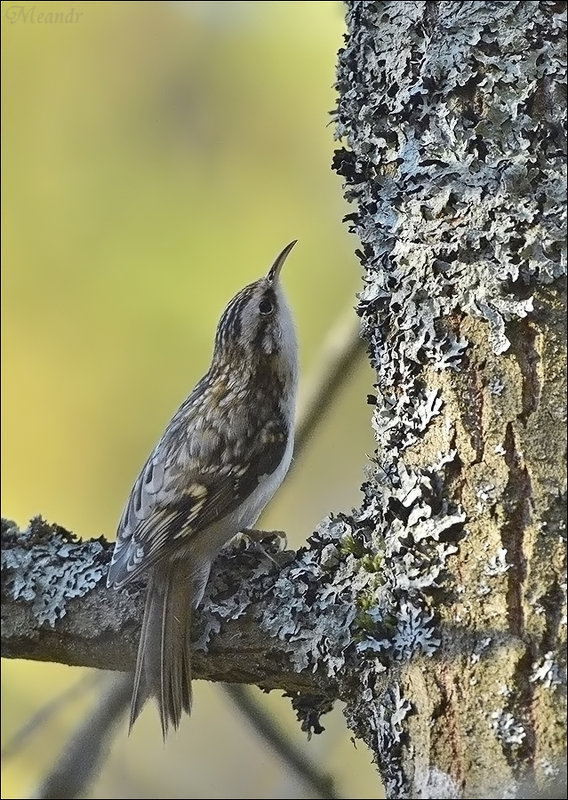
column 262, row 536
column 257, row 538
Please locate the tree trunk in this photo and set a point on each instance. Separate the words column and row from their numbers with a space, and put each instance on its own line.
column 452, row 118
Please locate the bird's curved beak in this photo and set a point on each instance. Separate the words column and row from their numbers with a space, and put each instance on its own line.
column 274, row 271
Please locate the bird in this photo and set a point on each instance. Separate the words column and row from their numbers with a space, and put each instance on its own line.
column 219, row 461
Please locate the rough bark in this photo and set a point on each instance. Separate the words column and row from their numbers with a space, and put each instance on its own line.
column 437, row 611
column 56, row 607
column 452, row 116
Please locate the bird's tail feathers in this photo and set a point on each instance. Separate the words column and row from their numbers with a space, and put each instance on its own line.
column 163, row 665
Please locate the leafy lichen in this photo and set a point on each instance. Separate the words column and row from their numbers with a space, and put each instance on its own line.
column 452, row 150
column 48, row 566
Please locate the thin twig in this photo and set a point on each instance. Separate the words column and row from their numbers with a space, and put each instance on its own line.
column 88, row 744
column 263, row 724
column 339, row 353
column 47, row 711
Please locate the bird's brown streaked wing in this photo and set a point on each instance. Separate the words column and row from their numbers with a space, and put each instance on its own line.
column 171, row 502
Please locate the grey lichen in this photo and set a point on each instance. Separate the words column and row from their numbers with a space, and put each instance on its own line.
column 497, row 564
column 312, row 596
column 475, row 206
column 226, row 599
column 547, row 672
column 47, row 566
column 414, row 633
column 452, row 211
column 386, row 721
column 305, row 603
column 432, row 782
column 506, row 728
column 453, row 154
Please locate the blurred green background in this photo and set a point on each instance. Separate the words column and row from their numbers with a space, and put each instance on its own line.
column 156, row 157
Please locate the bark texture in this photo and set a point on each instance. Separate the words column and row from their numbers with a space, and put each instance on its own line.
column 452, row 116
column 56, row 607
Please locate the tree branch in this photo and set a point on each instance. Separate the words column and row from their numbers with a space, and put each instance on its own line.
column 56, row 607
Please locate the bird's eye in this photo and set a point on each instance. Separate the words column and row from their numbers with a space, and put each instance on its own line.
column 265, row 306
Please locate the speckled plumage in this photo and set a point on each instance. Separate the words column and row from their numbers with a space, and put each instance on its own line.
column 219, row 461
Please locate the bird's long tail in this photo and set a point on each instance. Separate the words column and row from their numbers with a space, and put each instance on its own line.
column 163, row 665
